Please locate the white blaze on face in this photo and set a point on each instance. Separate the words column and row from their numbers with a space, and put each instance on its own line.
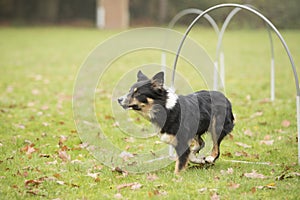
column 171, row 99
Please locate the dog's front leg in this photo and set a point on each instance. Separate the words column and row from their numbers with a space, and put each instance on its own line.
column 183, row 151
column 169, row 139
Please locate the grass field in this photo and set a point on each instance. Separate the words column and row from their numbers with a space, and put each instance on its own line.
column 42, row 156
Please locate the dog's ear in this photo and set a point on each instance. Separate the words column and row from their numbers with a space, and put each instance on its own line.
column 158, row 80
column 141, row 76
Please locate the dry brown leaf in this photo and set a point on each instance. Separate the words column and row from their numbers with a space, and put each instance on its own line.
column 248, row 132
column 215, row 196
column 126, row 155
column 152, row 177
column 257, row 114
column 62, row 139
column 29, row 149
column 93, row 175
column 267, row 142
column 243, row 145
column 268, row 186
column 52, row 162
column 60, row 182
column 132, row 186
column 233, row 185
column 228, row 171
column 32, row 183
column 129, row 139
column 118, row 196
column 254, row 174
column 285, row 123
column 201, row 190
column 64, row 156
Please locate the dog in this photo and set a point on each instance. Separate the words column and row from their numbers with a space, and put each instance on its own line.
column 182, row 120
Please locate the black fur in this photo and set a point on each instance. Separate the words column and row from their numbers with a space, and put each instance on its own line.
column 190, row 116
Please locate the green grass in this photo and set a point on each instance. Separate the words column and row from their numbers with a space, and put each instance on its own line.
column 38, row 72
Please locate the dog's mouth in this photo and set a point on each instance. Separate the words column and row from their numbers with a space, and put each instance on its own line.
column 134, row 107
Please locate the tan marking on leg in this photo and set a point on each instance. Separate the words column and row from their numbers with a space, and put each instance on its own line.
column 169, row 139
column 176, row 171
column 215, row 149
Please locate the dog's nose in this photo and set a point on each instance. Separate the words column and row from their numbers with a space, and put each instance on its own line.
column 120, row 100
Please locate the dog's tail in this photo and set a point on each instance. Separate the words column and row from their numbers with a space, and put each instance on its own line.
column 229, row 124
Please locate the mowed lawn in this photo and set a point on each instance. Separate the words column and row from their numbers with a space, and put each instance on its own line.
column 42, row 156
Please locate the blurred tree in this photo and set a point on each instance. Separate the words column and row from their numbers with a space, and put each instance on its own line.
column 145, row 12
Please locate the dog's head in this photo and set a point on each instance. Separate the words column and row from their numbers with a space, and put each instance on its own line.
column 146, row 93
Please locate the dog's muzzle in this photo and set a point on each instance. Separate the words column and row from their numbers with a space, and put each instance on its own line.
column 121, row 101
column 124, row 103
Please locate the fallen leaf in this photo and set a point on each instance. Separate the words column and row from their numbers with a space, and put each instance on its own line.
column 133, row 186
column 233, row 185
column 136, row 186
column 84, row 145
column 44, row 107
column 267, row 142
column 215, row 196
column 44, row 155
column 34, row 183
column 243, row 145
column 267, row 137
column 76, row 161
column 52, row 162
column 35, row 92
column 257, row 114
column 241, row 153
column 45, row 124
column 265, row 100
column 64, row 156
column 60, row 182
column 248, row 133
column 285, row 123
column 121, row 171
column 228, row 171
column 33, row 192
column 157, row 193
column 129, row 139
column 254, row 174
column 93, row 175
column 227, row 154
column 152, row 177
column 29, row 149
column 126, row 155
column 9, row 89
column 21, row 126
column 62, row 139
column 118, row 196
column 201, row 190
column 116, row 124
column 295, row 173
column 268, row 186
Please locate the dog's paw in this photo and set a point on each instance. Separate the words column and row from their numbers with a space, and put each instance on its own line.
column 209, row 159
column 196, row 160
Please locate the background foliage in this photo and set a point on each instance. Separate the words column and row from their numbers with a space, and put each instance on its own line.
column 142, row 12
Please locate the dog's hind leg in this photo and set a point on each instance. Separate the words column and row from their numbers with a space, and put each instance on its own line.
column 199, row 144
column 216, row 132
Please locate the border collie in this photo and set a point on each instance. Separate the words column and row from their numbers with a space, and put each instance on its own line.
column 182, row 119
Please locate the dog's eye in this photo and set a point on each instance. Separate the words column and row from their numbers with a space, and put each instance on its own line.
column 137, row 93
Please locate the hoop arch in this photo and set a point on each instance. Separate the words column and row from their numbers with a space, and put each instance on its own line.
column 213, row 24
column 219, row 53
column 278, row 35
